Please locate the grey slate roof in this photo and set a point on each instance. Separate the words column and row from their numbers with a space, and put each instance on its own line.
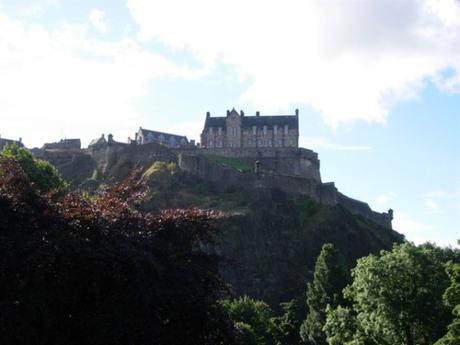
column 155, row 136
column 248, row 121
column 4, row 142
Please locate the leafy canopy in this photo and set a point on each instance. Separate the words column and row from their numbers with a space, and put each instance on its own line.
column 45, row 177
column 397, row 299
column 330, row 277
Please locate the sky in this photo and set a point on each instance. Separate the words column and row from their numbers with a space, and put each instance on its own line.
column 377, row 84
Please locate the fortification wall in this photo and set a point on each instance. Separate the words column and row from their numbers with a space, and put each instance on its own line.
column 363, row 209
column 225, row 177
column 282, row 161
column 117, row 159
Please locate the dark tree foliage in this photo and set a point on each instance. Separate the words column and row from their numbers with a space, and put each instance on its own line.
column 95, row 271
column 287, row 325
column 256, row 314
column 330, row 277
column 452, row 300
column 396, row 299
column 44, row 177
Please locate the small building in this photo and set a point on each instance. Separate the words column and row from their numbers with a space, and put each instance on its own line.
column 236, row 130
column 98, row 141
column 4, row 142
column 64, row 144
column 146, row 136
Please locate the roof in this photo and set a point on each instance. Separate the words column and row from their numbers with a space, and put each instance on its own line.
column 155, row 135
column 4, row 142
column 248, row 121
column 98, row 141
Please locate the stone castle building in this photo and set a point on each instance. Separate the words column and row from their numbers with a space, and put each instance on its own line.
column 4, row 142
column 146, row 136
column 236, row 130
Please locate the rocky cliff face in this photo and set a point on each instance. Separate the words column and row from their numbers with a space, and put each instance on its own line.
column 271, row 233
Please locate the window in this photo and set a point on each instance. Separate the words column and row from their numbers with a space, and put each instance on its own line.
column 265, row 130
column 286, row 129
column 219, row 130
column 270, row 142
column 275, row 129
column 292, row 142
column 210, row 143
column 210, row 130
column 254, row 130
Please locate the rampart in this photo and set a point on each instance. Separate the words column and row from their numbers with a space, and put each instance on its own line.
column 224, row 177
column 294, row 162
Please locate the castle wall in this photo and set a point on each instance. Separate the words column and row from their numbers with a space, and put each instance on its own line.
column 224, row 177
column 297, row 162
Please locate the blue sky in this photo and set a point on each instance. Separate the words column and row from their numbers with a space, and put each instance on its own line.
column 377, row 84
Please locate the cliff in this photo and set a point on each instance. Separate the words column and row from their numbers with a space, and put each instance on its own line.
column 278, row 213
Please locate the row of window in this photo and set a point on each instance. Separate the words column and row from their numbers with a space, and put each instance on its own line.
column 251, row 143
column 234, row 130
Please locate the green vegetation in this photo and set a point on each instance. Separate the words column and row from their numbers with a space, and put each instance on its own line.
column 330, row 277
column 45, row 177
column 396, row 299
column 286, row 326
column 255, row 315
column 235, row 163
column 452, row 300
column 307, row 208
column 160, row 170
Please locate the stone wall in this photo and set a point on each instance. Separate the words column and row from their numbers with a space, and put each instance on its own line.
column 297, row 162
column 223, row 178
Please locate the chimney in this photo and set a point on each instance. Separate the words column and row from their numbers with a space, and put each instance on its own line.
column 208, row 114
column 228, row 112
column 241, row 112
column 297, row 112
column 20, row 140
column 257, row 113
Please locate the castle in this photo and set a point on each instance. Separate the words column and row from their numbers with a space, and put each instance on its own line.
column 236, row 130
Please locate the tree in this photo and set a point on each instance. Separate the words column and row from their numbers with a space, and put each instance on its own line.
column 329, row 279
column 397, row 298
column 45, row 177
column 452, row 300
column 287, row 326
column 96, row 271
column 256, row 314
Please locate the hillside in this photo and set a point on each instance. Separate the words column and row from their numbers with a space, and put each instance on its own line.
column 269, row 238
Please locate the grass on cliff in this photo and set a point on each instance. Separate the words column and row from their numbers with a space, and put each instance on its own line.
column 306, row 207
column 235, row 163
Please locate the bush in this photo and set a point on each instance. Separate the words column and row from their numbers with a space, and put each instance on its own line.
column 45, row 177
column 96, row 271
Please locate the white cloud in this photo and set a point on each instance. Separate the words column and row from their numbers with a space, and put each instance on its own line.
column 432, row 206
column 417, row 231
column 97, row 19
column 386, row 197
column 62, row 83
column 324, row 143
column 347, row 59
